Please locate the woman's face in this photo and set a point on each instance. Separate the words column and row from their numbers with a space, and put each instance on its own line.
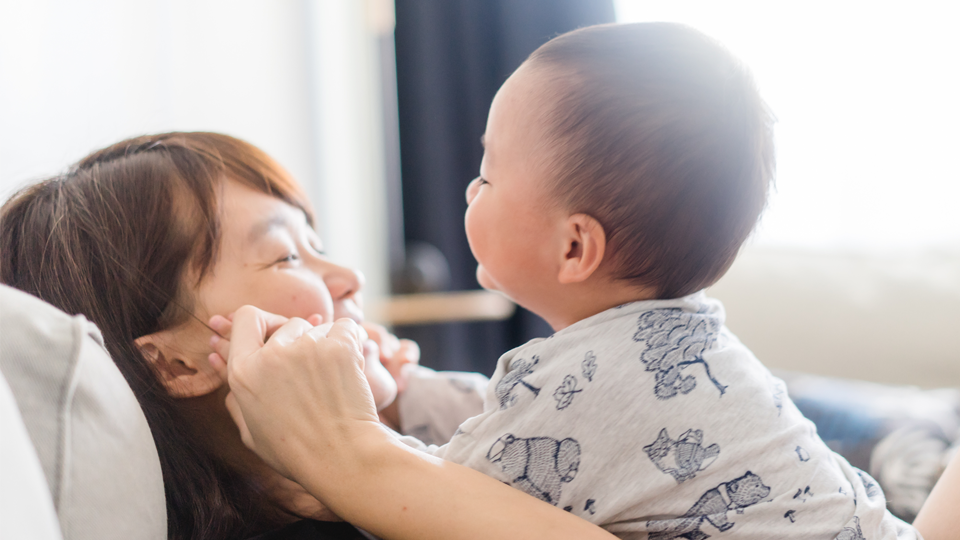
column 271, row 258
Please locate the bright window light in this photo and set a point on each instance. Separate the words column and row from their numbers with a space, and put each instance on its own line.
column 867, row 97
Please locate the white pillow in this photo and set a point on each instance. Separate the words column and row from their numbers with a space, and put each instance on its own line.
column 93, row 442
column 26, row 510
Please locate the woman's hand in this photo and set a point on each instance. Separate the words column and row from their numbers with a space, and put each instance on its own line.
column 302, row 403
column 382, row 382
column 296, row 387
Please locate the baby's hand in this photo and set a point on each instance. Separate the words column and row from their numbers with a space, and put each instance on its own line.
column 399, row 356
column 395, row 353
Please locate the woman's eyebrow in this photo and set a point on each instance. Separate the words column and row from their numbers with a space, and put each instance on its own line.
column 261, row 228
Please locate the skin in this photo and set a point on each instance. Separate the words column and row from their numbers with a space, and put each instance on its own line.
column 312, row 420
column 315, row 421
column 527, row 245
column 938, row 518
column 309, row 419
column 269, row 256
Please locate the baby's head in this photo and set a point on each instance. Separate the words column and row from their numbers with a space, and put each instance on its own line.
column 652, row 132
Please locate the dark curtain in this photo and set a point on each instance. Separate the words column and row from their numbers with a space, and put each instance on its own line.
column 451, row 57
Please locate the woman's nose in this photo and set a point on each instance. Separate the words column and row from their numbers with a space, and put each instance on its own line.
column 472, row 188
column 342, row 282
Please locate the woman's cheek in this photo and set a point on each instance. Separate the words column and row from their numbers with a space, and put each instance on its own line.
column 303, row 298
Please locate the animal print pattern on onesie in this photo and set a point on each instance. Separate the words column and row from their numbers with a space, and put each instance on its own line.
column 675, row 340
column 852, row 533
column 538, row 465
column 506, row 389
column 712, row 507
column 682, row 458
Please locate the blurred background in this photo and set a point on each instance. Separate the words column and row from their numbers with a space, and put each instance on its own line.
column 377, row 107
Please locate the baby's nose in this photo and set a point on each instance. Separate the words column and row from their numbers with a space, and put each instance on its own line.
column 472, row 189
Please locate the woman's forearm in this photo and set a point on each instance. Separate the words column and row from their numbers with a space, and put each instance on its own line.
column 302, row 403
column 396, row 492
column 939, row 518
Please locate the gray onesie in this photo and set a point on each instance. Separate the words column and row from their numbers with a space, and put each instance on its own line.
column 652, row 420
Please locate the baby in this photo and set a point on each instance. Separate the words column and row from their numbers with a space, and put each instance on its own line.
column 624, row 167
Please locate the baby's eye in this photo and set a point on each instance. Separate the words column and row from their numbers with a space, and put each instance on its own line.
column 481, row 180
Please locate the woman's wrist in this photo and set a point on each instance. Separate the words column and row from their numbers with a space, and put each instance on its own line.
column 345, row 453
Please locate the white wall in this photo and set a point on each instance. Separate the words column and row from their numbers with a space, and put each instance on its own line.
column 855, row 269
column 285, row 75
column 889, row 318
column 865, row 94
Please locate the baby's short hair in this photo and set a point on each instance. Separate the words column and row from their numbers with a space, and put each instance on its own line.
column 660, row 134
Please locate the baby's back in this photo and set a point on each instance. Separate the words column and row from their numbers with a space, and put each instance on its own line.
column 652, row 419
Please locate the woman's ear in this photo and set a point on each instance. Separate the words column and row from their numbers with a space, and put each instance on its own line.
column 585, row 243
column 183, row 374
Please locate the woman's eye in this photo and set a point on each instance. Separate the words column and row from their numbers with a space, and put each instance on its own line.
column 291, row 257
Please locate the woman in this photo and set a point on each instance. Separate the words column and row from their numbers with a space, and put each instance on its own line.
column 153, row 236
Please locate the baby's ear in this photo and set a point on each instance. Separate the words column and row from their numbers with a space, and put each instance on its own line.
column 183, row 375
column 585, row 243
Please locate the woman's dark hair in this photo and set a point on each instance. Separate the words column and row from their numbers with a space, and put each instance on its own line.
column 116, row 239
column 661, row 135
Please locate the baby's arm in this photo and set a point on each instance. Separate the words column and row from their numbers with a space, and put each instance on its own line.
column 938, row 518
column 435, row 403
column 430, row 404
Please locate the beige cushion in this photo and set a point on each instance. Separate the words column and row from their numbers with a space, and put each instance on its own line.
column 93, row 442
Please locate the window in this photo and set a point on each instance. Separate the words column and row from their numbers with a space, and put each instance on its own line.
column 866, row 96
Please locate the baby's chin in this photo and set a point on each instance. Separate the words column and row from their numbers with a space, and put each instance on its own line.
column 483, row 278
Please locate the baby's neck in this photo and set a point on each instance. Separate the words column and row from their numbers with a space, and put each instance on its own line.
column 580, row 301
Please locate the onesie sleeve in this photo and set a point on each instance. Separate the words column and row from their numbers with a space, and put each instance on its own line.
column 435, row 403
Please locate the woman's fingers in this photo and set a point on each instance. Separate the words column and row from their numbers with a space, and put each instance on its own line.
column 290, row 331
column 344, row 331
column 221, row 347
column 296, row 388
column 221, row 325
column 251, row 329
